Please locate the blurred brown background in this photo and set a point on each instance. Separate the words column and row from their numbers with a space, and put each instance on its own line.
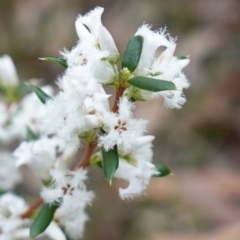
column 200, row 143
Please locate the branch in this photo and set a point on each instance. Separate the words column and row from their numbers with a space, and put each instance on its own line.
column 119, row 93
column 31, row 208
column 85, row 159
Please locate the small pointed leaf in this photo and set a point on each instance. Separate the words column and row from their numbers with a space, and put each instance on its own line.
column 23, row 89
column 31, row 136
column 2, row 192
column 162, row 170
column 40, row 93
column 43, row 219
column 58, row 60
column 132, row 53
column 110, row 162
column 182, row 57
column 151, row 84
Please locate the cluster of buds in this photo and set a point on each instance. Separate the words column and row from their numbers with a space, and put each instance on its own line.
column 80, row 116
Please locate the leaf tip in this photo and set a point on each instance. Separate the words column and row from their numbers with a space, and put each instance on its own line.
column 32, row 234
column 27, row 84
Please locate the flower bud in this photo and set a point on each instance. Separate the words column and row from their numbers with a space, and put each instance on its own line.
column 91, row 121
column 8, row 73
column 142, row 141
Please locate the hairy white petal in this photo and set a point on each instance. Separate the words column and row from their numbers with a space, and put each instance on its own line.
column 40, row 155
column 54, row 232
column 92, row 20
column 106, row 41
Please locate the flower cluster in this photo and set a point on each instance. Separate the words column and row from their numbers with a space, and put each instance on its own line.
column 11, row 207
column 69, row 192
column 166, row 66
column 80, row 115
column 12, row 226
column 20, row 110
column 17, row 109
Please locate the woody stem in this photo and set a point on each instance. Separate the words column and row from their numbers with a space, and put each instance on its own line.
column 88, row 153
column 31, row 208
column 119, row 93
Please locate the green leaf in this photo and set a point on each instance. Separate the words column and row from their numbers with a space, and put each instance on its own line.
column 43, row 219
column 151, row 84
column 132, row 53
column 2, row 90
column 58, row 60
column 31, row 136
column 40, row 93
column 162, row 170
column 2, row 192
column 110, row 162
column 23, row 89
column 182, row 57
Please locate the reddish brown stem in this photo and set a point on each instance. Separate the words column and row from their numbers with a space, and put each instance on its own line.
column 119, row 93
column 85, row 160
column 31, row 208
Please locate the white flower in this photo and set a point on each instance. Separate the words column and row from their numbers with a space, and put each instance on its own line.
column 15, row 118
column 96, row 49
column 40, row 155
column 64, row 119
column 97, row 104
column 12, row 227
column 64, row 114
column 90, row 29
column 31, row 111
column 121, row 128
column 163, row 67
column 11, row 206
column 137, row 169
column 99, row 62
column 8, row 73
column 77, row 108
column 151, row 42
column 9, row 174
column 68, row 189
column 172, row 69
column 102, row 66
column 73, row 223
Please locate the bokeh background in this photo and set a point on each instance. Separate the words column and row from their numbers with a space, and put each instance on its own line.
column 200, row 142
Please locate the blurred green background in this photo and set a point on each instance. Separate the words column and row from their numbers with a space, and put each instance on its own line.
column 200, row 142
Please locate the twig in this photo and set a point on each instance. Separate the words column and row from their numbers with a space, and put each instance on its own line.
column 119, row 93
column 85, row 159
column 31, row 208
